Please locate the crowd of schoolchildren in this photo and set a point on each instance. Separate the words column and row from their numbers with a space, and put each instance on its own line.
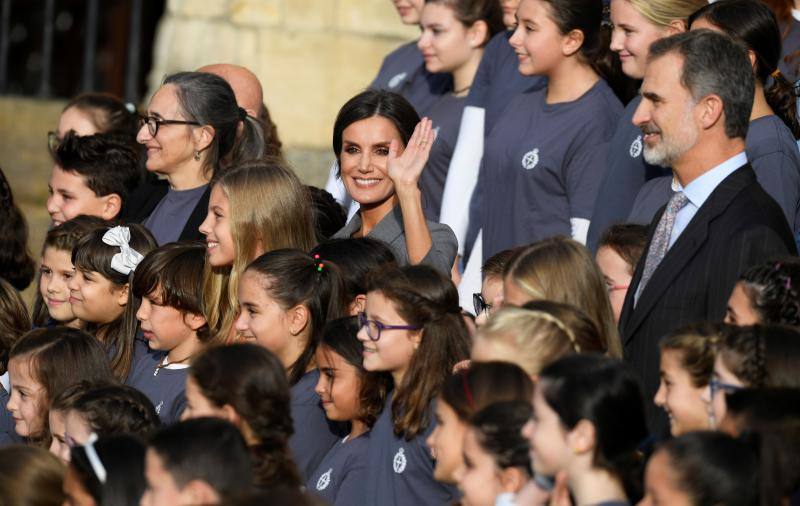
column 555, row 264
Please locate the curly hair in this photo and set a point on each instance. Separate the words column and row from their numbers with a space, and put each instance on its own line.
column 16, row 263
column 253, row 382
column 762, row 356
column 774, row 291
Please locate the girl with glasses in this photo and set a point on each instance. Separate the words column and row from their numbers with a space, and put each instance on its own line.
column 189, row 131
column 412, row 329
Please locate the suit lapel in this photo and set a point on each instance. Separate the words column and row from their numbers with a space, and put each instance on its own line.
column 685, row 247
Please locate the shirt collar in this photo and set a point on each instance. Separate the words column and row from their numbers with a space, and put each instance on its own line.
column 698, row 190
column 5, row 381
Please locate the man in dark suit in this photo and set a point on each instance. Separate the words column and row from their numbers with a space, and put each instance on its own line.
column 696, row 100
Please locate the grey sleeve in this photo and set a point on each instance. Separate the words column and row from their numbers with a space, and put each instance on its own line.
column 351, row 489
column 583, row 174
column 444, row 246
column 780, row 178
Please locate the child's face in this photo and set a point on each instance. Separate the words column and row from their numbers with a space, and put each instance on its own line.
column 660, row 484
column 537, row 40
column 217, row 229
column 740, row 308
column 446, row 441
column 616, row 272
column 479, row 477
column 492, row 292
column 55, row 271
column 339, row 386
column 58, row 446
column 167, row 328
column 678, row 396
column 76, row 429
column 161, row 487
column 28, row 399
column 96, row 299
column 394, row 349
column 548, row 438
column 264, row 320
column 70, row 197
column 197, row 404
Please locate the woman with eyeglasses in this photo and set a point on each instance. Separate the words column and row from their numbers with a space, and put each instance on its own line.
column 412, row 328
column 191, row 128
column 760, row 356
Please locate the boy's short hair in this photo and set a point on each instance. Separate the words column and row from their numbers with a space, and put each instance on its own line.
column 108, row 162
column 210, row 450
column 495, row 266
column 176, row 271
column 628, row 240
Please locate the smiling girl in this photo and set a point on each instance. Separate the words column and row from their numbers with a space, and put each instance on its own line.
column 254, row 208
column 412, row 328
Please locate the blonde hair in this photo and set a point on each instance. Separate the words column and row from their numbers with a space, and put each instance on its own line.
column 270, row 208
column 528, row 338
column 562, row 270
column 663, row 12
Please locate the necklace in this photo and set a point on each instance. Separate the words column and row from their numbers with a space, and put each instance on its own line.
column 462, row 90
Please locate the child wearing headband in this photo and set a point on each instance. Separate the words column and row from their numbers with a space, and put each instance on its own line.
column 108, row 470
column 105, row 260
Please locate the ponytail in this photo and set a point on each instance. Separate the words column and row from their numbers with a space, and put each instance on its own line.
column 755, row 25
column 250, row 144
column 592, row 18
column 295, row 277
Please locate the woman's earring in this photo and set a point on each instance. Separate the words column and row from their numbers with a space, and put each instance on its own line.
column 197, row 155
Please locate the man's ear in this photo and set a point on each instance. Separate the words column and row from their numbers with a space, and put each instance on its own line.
column 711, row 111
column 112, row 205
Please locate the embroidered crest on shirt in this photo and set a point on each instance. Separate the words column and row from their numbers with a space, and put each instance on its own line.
column 399, row 462
column 636, row 147
column 396, row 80
column 530, row 159
column 158, row 408
column 324, row 480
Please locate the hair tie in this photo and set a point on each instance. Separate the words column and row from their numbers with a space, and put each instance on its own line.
column 776, row 74
column 130, row 107
column 242, row 114
column 128, row 258
column 94, row 459
column 319, row 266
column 468, row 391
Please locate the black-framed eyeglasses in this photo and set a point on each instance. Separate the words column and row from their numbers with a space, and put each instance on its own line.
column 153, row 123
column 479, row 304
column 716, row 385
column 53, row 141
column 375, row 328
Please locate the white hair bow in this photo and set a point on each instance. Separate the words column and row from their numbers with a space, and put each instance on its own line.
column 128, row 258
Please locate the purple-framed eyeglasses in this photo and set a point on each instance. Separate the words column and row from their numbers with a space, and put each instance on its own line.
column 374, row 328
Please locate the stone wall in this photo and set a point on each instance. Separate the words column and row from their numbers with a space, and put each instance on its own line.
column 310, row 55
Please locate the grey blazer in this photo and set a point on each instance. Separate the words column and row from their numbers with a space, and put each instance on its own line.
column 390, row 230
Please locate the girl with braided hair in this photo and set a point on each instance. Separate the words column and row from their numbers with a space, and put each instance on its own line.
column 412, row 328
column 767, row 293
column 102, row 408
column 246, row 385
column 286, row 298
column 758, row 356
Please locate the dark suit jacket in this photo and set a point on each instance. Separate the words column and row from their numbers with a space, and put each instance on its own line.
column 147, row 196
column 739, row 225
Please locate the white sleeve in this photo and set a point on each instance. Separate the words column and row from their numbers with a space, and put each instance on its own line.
column 335, row 187
column 580, row 229
column 462, row 175
column 471, row 277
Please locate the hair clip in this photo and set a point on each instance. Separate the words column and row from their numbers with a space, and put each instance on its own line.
column 319, row 267
column 128, row 258
column 776, row 73
column 94, row 459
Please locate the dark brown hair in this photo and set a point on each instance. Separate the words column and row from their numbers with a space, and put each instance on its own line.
column 292, row 277
column 425, row 298
column 175, row 273
column 108, row 113
column 251, row 380
column 109, row 409
column 762, row 355
column 774, row 291
column 91, row 254
column 627, row 240
column 57, row 358
column 16, row 264
column 340, row 337
column 469, row 12
column 494, row 267
column 484, row 383
column 14, row 321
column 696, row 346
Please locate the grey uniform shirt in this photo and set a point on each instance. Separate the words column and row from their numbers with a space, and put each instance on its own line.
column 164, row 386
column 341, row 475
column 390, row 230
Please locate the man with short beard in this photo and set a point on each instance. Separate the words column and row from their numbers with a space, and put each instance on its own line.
column 696, row 100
